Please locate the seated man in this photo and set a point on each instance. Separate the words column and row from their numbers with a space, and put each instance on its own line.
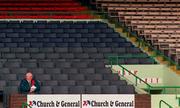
column 29, row 85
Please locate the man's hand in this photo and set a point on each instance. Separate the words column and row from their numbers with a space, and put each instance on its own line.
column 33, row 88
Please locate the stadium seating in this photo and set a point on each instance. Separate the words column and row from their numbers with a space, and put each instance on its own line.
column 155, row 21
column 67, row 57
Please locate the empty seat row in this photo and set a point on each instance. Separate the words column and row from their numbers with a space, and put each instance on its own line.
column 69, row 34
column 40, row 45
column 80, row 89
column 100, row 70
column 51, row 64
column 51, row 56
column 69, row 83
column 70, row 55
column 70, row 50
column 36, row 36
column 61, row 40
column 24, row 26
column 78, row 77
column 67, row 59
column 13, row 32
column 52, row 25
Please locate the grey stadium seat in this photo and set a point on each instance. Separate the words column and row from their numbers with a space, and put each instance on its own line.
column 63, row 65
column 110, row 77
column 13, row 83
column 101, row 83
column 49, row 83
column 76, row 77
column 42, row 77
column 8, row 77
column 18, row 70
column 10, row 89
column 52, row 71
column 127, row 89
column 60, row 77
column 87, row 70
column 76, row 89
column 84, row 83
column 70, row 71
column 46, row 64
column 29, row 64
column 67, row 83
column 2, row 84
column 109, row 89
column 46, row 90
column 60, row 90
column 93, row 89
column 4, row 70
column 93, row 76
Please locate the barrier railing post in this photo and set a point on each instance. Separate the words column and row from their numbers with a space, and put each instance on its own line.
column 149, row 87
column 123, row 72
column 176, row 90
column 111, row 63
column 178, row 98
column 136, row 81
column 117, row 60
column 164, row 90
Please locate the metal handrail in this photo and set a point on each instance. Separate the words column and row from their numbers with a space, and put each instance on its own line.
column 129, row 56
column 148, row 85
column 162, row 101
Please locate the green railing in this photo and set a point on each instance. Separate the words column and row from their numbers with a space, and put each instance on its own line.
column 117, row 59
column 24, row 105
column 163, row 102
column 137, row 78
